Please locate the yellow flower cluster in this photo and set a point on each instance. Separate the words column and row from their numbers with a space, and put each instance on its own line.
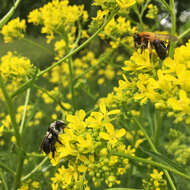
column 178, row 146
column 107, row 4
column 87, row 144
column 57, row 17
column 123, row 4
column 6, row 121
column 14, row 66
column 60, row 73
column 13, row 30
column 30, row 185
column 166, row 85
column 116, row 30
column 152, row 11
column 155, row 181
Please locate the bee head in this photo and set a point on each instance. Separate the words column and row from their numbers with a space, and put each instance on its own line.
column 59, row 124
column 137, row 39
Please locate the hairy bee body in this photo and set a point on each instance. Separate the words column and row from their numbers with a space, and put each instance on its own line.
column 151, row 40
column 51, row 137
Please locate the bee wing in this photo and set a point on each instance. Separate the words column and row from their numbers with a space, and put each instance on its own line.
column 43, row 141
column 42, row 144
column 166, row 37
column 160, row 48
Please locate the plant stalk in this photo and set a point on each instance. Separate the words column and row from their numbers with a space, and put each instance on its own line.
column 173, row 29
column 12, row 114
column 6, row 18
column 27, row 84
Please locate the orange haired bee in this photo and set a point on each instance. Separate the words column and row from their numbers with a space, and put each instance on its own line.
column 51, row 137
column 151, row 40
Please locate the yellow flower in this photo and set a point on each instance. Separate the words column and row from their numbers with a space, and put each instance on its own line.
column 13, row 139
column 106, row 113
column 130, row 150
column 14, row 30
column 85, row 144
column 146, row 89
column 56, row 15
column 123, row 4
column 66, row 105
column 35, row 184
column 100, row 15
column 95, row 120
column 15, row 66
column 60, row 48
column 47, row 99
column 112, row 135
column 156, row 175
column 34, row 17
column 76, row 122
column 100, row 81
column 24, row 187
column 54, row 116
column 38, row 115
column 113, row 160
column 152, row 11
column 139, row 62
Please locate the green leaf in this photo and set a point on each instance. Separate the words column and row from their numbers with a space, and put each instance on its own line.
column 163, row 159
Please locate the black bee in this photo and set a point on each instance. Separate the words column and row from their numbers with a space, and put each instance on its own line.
column 51, row 137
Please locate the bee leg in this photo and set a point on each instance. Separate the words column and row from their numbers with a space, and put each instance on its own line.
column 142, row 49
column 53, row 151
column 168, row 46
column 150, row 46
column 59, row 141
column 56, row 138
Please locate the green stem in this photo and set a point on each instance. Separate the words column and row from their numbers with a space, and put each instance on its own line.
column 157, row 126
column 35, row 169
column 139, row 17
column 146, row 135
column 173, row 29
column 181, row 36
column 19, row 169
column 144, row 8
column 6, row 168
column 48, row 94
column 38, row 45
column 153, row 163
column 164, row 4
column 156, row 151
column 78, row 37
column 71, row 83
column 6, row 18
column 100, row 61
column 11, row 111
column 12, row 114
column 3, row 180
column 24, row 112
column 26, row 85
column 80, row 47
column 129, row 176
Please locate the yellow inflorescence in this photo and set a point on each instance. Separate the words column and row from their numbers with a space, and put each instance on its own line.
column 14, row 66
column 86, row 145
column 13, row 30
column 57, row 17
